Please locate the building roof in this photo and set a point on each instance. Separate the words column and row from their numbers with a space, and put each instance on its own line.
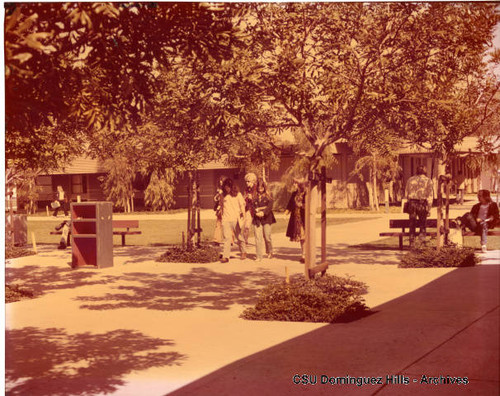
column 469, row 144
column 80, row 165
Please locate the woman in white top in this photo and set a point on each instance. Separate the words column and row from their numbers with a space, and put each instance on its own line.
column 61, row 198
column 233, row 211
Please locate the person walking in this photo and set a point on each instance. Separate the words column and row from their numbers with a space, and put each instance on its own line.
column 218, row 211
column 233, row 211
column 250, row 192
column 60, row 201
column 419, row 193
column 485, row 214
column 262, row 220
column 296, row 208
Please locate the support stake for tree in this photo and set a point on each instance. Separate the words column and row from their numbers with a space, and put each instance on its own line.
column 307, row 226
column 33, row 241
column 439, row 213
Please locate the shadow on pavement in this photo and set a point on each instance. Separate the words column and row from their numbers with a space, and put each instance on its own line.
column 433, row 330
column 200, row 288
column 44, row 279
column 51, row 362
column 340, row 254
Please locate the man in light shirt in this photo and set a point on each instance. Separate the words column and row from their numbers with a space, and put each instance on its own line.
column 419, row 192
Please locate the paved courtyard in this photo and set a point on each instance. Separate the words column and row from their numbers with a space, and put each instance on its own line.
column 149, row 328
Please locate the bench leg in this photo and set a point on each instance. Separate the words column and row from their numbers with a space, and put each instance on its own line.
column 123, row 239
column 401, row 242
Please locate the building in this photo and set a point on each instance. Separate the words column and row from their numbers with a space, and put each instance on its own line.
column 82, row 178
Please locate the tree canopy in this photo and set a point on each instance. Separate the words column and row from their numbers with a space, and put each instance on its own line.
column 86, row 68
column 175, row 84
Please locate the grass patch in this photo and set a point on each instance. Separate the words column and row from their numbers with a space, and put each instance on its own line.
column 16, row 251
column 427, row 256
column 15, row 293
column 203, row 254
column 392, row 243
column 162, row 232
column 326, row 299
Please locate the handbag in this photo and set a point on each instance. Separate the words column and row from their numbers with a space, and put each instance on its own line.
column 55, row 204
column 406, row 207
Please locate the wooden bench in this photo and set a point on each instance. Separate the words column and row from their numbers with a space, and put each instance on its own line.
column 404, row 224
column 128, row 224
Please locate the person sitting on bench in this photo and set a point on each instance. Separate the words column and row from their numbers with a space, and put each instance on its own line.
column 65, row 226
column 419, row 193
column 482, row 217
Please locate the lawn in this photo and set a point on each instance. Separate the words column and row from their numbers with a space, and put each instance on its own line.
column 393, row 243
column 162, row 232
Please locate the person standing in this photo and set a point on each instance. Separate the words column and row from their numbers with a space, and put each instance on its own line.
column 218, row 211
column 233, row 211
column 61, row 198
column 262, row 220
column 419, row 193
column 250, row 192
column 485, row 214
column 460, row 183
column 296, row 208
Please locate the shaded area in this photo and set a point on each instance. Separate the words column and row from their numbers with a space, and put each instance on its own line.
column 41, row 280
column 51, row 362
column 428, row 331
column 200, row 288
column 340, row 254
column 392, row 243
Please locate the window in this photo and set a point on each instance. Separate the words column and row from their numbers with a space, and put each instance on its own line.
column 77, row 184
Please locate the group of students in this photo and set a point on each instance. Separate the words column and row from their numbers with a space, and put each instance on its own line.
column 237, row 212
column 419, row 191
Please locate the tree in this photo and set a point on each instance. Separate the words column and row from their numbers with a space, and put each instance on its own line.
column 85, row 67
column 117, row 184
column 159, row 195
column 333, row 71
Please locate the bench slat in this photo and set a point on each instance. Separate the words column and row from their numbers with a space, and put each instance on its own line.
column 405, row 223
column 125, row 223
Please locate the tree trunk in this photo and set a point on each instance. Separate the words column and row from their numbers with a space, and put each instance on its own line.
column 190, row 211
column 441, row 171
column 310, row 226
column 370, row 195
column 374, row 185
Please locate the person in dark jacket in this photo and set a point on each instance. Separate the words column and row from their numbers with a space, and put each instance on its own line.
column 296, row 208
column 262, row 220
column 485, row 215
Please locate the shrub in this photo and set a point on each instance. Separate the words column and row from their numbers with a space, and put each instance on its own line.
column 15, row 293
column 16, row 251
column 326, row 299
column 203, row 254
column 425, row 256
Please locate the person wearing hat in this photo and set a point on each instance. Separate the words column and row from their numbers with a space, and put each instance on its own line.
column 250, row 193
column 296, row 208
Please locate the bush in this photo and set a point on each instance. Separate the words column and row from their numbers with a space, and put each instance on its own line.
column 16, row 251
column 326, row 299
column 203, row 254
column 15, row 293
column 425, row 256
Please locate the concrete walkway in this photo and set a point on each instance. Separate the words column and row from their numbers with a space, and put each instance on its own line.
column 148, row 328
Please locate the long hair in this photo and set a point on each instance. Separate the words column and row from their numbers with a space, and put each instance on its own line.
column 262, row 183
column 234, row 190
column 485, row 194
